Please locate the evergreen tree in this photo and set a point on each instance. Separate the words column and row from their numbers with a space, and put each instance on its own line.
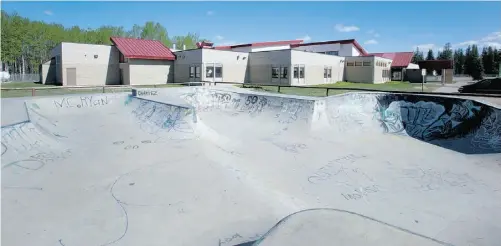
column 418, row 56
column 430, row 55
column 459, row 59
column 473, row 63
column 446, row 53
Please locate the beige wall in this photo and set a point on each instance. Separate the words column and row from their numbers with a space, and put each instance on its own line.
column 149, row 72
column 95, row 64
column 184, row 60
column 314, row 67
column 261, row 63
column 356, row 71
column 48, row 73
column 234, row 64
column 382, row 68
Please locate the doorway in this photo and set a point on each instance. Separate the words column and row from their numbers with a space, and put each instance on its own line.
column 299, row 74
column 71, row 76
column 327, row 75
column 195, row 73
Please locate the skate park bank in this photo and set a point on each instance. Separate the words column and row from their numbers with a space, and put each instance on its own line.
column 208, row 165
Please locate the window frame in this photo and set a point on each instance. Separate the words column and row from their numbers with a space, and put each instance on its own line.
column 358, row 63
column 220, row 74
column 275, row 72
column 296, row 72
column 282, row 70
column 350, row 64
column 303, row 70
column 191, row 72
column 366, row 63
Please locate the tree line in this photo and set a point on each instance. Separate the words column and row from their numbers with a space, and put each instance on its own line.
column 26, row 43
column 469, row 61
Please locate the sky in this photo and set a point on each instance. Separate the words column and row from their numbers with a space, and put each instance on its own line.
column 377, row 26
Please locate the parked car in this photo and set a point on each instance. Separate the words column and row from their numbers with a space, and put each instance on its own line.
column 4, row 76
column 488, row 86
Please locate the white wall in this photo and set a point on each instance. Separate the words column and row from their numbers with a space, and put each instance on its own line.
column 261, row 48
column 95, row 64
column 149, row 72
column 261, row 63
column 343, row 49
column 234, row 64
column 314, row 67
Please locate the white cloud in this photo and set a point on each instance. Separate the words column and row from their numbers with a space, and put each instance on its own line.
column 219, row 37
column 48, row 12
column 424, row 47
column 306, row 38
column 227, row 43
column 493, row 44
column 210, row 12
column 492, row 39
column 374, row 33
column 343, row 28
column 371, row 41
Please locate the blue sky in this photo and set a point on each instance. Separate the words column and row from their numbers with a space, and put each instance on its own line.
column 377, row 26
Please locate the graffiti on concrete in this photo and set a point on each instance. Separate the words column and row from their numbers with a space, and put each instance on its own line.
column 82, row 102
column 154, row 117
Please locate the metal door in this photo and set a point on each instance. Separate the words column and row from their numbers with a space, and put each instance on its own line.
column 195, row 73
column 71, row 76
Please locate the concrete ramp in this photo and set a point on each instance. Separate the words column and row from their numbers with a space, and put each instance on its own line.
column 221, row 166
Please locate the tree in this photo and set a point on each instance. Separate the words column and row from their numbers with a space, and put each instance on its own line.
column 418, row 56
column 473, row 63
column 446, row 53
column 25, row 43
column 459, row 59
column 430, row 55
column 488, row 60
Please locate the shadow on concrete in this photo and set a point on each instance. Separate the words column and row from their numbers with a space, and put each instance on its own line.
column 461, row 125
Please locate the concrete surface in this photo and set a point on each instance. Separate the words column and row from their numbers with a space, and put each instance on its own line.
column 221, row 166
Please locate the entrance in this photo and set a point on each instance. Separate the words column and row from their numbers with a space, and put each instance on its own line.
column 213, row 72
column 298, row 74
column 195, row 73
column 71, row 76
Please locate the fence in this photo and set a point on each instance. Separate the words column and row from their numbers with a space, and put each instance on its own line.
column 318, row 91
column 27, row 77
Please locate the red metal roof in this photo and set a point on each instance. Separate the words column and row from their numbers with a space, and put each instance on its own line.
column 260, row 44
column 134, row 48
column 346, row 41
column 400, row 59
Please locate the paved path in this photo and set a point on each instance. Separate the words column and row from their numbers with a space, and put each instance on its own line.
column 200, row 166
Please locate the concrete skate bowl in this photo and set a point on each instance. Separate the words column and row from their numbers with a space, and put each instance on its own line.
column 200, row 166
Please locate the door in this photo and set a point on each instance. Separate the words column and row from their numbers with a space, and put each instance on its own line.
column 213, row 72
column 327, row 75
column 298, row 74
column 195, row 72
column 71, row 76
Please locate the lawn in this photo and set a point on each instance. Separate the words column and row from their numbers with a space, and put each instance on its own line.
column 340, row 86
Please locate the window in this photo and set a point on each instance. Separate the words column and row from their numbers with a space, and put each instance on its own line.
column 332, row 53
column 325, row 72
column 358, row 64
column 301, row 72
column 296, row 72
column 284, row 72
column 367, row 63
column 197, row 72
column 329, row 73
column 219, row 72
column 209, row 71
column 192, row 72
column 274, row 72
column 350, row 64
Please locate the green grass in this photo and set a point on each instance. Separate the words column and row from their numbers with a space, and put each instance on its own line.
column 389, row 86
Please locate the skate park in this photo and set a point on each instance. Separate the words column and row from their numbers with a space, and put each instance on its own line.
column 215, row 165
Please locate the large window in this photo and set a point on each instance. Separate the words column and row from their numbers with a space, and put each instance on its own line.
column 219, row 71
column 192, row 72
column 296, row 72
column 275, row 72
column 284, row 72
column 209, row 71
column 301, row 72
column 327, row 72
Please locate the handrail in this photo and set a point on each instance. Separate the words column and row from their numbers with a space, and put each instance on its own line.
column 244, row 85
